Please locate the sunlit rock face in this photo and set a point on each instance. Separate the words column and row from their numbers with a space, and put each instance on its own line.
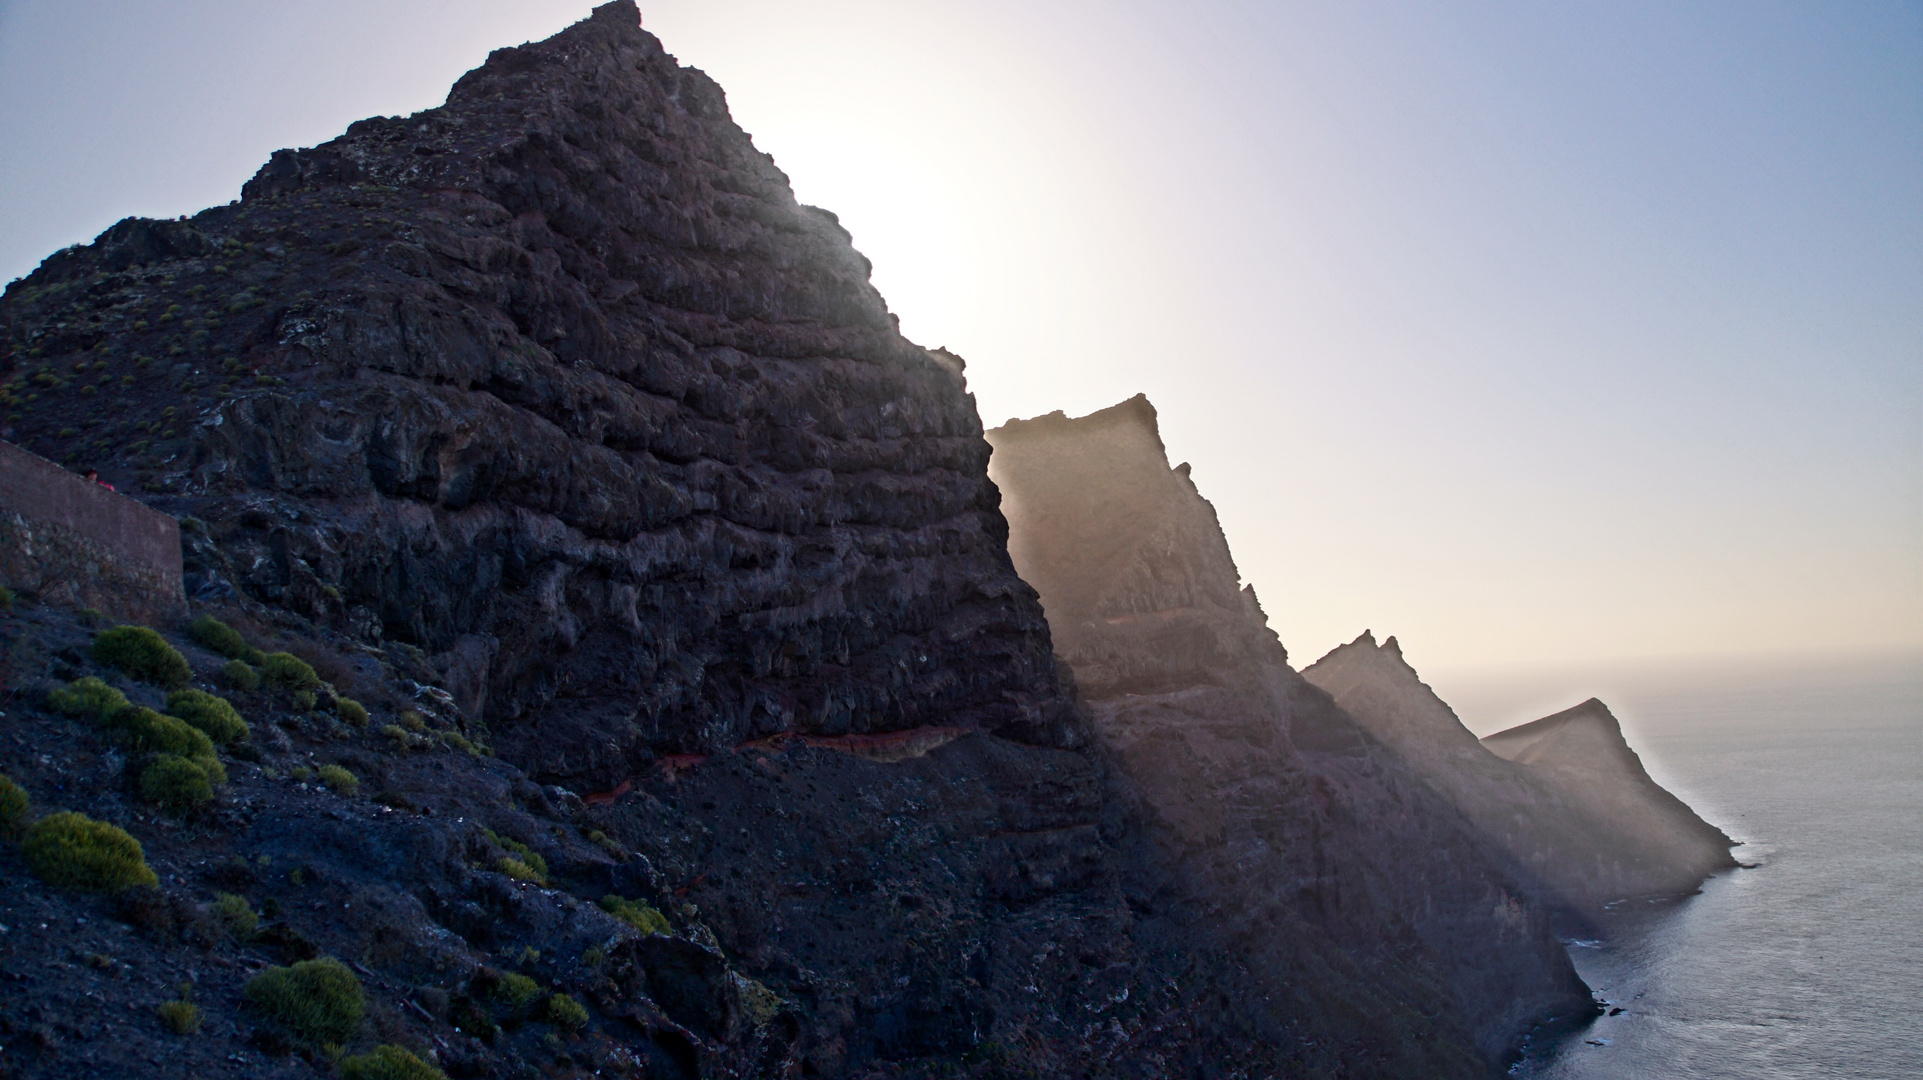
column 1140, row 589
column 559, row 385
column 1582, row 752
column 1278, row 839
column 1565, row 796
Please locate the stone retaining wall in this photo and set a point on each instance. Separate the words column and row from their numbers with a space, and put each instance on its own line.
column 64, row 540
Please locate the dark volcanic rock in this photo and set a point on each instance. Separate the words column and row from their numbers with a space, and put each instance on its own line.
column 559, row 385
column 1346, row 896
column 1572, row 805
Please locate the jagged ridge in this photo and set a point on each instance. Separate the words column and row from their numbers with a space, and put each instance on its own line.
column 558, row 384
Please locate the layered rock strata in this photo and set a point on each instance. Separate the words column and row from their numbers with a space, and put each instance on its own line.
column 559, row 385
column 1566, row 797
column 1275, row 829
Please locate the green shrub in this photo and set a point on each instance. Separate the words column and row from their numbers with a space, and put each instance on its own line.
column 344, row 783
column 142, row 654
column 181, row 1017
column 352, row 711
column 519, row 870
column 88, row 697
column 516, row 989
column 240, row 675
column 522, row 854
column 145, row 729
column 388, row 1062
column 412, row 721
column 6, row 598
column 177, row 783
column 73, row 851
column 236, row 915
column 14, row 805
column 285, row 671
column 642, row 917
column 567, row 1012
column 213, row 715
column 218, row 636
column 319, row 1000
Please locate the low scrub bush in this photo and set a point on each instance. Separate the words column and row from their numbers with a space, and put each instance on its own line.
column 526, row 854
column 285, row 671
column 516, row 989
column 344, row 783
column 236, row 915
column 240, row 675
column 177, row 783
column 6, row 598
column 567, row 1012
column 388, row 1062
column 144, row 729
column 519, row 870
column 642, row 917
column 182, row 1017
column 87, row 698
column 608, row 844
column 318, row 1000
column 215, row 716
column 218, row 636
column 14, row 805
column 142, row 654
column 73, row 851
column 352, row 711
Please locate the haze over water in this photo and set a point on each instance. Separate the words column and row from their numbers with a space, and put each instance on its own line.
column 1807, row 965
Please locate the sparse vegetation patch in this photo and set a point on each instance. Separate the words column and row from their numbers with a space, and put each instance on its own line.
column 142, row 654
column 285, row 671
column 213, row 715
column 177, row 783
column 88, row 698
column 73, row 851
column 388, row 1062
column 318, row 1000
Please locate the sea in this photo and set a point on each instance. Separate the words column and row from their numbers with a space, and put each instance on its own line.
column 1808, row 962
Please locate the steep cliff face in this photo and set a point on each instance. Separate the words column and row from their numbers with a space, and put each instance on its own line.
column 1275, row 830
column 558, row 385
column 1566, row 797
column 1582, row 751
column 1140, row 588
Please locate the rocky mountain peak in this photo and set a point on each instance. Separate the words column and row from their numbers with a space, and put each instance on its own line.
column 558, row 386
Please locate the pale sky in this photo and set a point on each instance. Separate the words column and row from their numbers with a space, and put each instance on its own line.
column 1532, row 333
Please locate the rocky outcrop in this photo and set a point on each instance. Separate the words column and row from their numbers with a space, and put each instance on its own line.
column 1582, row 752
column 1565, row 797
column 1275, row 831
column 557, row 384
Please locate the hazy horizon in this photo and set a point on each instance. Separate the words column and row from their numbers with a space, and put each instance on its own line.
column 1543, row 338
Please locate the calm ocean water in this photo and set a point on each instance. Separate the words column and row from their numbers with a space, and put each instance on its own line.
column 1809, row 965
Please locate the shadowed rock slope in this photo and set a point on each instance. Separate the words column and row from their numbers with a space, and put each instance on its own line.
column 1565, row 796
column 558, row 385
column 1276, row 831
